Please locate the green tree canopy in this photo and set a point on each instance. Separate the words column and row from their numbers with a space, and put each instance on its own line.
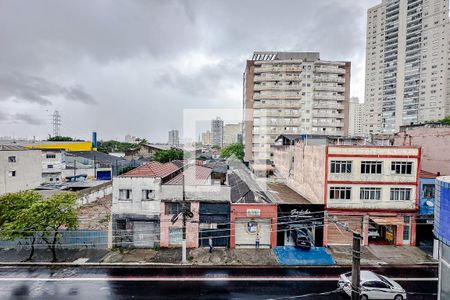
column 164, row 156
column 12, row 204
column 445, row 120
column 115, row 146
column 233, row 149
column 59, row 138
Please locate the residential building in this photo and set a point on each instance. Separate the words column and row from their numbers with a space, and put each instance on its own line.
column 292, row 93
column 20, row 169
column 203, row 198
column 356, row 114
column 206, row 138
column 217, row 132
column 434, row 141
column 136, row 204
column 442, row 233
column 231, row 133
column 371, row 188
column 406, row 64
column 425, row 216
column 131, row 139
column 145, row 151
column 53, row 165
column 174, row 138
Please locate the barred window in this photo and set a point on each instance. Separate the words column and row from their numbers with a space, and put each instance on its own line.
column 148, row 195
column 401, row 167
column 368, row 193
column 341, row 166
column 371, row 167
column 340, row 193
column 400, row 194
column 124, row 194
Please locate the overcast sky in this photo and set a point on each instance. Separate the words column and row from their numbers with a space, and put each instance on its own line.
column 131, row 67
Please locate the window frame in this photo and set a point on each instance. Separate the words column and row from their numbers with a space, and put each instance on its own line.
column 12, row 159
column 341, row 191
column 145, row 195
column 371, row 192
column 400, row 194
column 371, row 167
column 128, row 192
column 401, row 167
column 50, row 155
column 341, row 166
column 426, row 188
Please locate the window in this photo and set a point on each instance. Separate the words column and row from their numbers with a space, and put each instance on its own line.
column 428, row 190
column 401, row 167
column 148, row 195
column 12, row 159
column 366, row 193
column 50, row 155
column 124, row 194
column 12, row 173
column 341, row 166
column 174, row 208
column 400, row 194
column 49, row 166
column 406, row 228
column 340, row 193
column 371, row 167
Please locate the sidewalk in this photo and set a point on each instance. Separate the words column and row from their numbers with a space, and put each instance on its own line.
column 382, row 255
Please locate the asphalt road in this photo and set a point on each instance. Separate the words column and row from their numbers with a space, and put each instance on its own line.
column 196, row 283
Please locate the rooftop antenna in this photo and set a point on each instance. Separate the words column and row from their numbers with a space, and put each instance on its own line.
column 56, row 122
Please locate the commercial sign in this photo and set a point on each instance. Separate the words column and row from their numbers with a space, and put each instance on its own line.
column 253, row 212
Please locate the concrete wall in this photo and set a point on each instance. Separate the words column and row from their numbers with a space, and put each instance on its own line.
column 308, row 174
column 28, row 170
column 435, row 142
column 282, row 158
column 199, row 192
column 136, row 205
column 93, row 194
column 191, row 227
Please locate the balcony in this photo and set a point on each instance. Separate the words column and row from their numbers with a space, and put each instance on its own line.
column 277, row 69
column 328, row 105
column 274, row 87
column 332, row 88
column 269, row 104
column 329, row 79
column 328, row 96
column 328, row 115
column 276, row 78
column 277, row 96
column 332, row 70
column 327, row 124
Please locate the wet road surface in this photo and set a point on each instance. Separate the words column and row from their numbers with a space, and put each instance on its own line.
column 196, row 282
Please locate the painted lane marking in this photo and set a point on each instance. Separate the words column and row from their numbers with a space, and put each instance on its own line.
column 168, row 279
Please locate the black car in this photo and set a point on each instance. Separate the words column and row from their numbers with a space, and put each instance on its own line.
column 302, row 237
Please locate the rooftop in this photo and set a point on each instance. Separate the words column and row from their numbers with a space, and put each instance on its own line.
column 152, row 169
column 12, row 148
column 194, row 175
column 98, row 156
column 285, row 195
column 426, row 174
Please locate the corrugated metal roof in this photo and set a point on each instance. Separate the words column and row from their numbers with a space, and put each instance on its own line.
column 152, row 169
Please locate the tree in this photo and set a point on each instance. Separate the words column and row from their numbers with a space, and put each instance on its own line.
column 445, row 121
column 15, row 219
column 59, row 138
column 215, row 147
column 234, row 149
column 164, row 156
column 114, row 146
column 53, row 214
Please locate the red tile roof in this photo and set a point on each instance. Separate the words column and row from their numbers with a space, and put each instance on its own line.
column 152, row 169
column 194, row 175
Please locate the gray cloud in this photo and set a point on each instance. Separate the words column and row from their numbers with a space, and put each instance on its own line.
column 135, row 58
column 33, row 89
column 23, row 118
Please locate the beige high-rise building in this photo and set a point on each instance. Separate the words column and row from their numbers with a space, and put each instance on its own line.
column 231, row 133
column 406, row 64
column 356, row 115
column 292, row 93
column 206, row 138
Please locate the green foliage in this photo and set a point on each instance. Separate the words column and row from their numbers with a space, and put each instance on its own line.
column 11, row 205
column 445, row 121
column 125, row 169
column 215, row 147
column 114, row 146
column 234, row 149
column 164, row 156
column 59, row 138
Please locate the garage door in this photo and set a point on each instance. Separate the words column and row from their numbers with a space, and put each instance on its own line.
column 144, row 234
column 245, row 233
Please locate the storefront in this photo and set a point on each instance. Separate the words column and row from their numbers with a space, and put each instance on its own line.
column 377, row 228
column 252, row 223
column 214, row 224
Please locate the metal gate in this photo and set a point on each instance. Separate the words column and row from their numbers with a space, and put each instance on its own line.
column 144, row 234
column 246, row 233
column 220, row 237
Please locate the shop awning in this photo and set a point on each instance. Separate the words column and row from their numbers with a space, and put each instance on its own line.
column 388, row 220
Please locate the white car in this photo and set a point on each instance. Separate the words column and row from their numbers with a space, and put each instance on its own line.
column 373, row 286
column 373, row 232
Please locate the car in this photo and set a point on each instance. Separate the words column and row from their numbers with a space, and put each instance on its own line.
column 373, row 232
column 373, row 286
column 302, row 237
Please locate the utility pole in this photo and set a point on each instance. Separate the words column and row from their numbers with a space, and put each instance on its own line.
column 183, row 212
column 356, row 266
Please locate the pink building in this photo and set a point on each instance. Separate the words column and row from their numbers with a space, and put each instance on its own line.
column 434, row 139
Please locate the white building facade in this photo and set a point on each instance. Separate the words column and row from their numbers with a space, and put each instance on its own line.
column 356, row 114
column 217, row 132
column 406, row 64
column 174, row 138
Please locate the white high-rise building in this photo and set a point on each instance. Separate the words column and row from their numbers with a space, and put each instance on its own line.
column 217, row 132
column 356, row 115
column 406, row 64
column 174, row 138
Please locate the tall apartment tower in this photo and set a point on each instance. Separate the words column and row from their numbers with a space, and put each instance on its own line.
column 406, row 64
column 292, row 93
column 174, row 138
column 356, row 115
column 217, row 132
